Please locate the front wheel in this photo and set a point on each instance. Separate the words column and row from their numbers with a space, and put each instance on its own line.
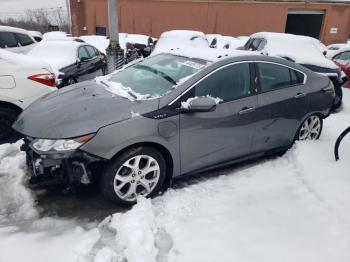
column 137, row 172
column 310, row 129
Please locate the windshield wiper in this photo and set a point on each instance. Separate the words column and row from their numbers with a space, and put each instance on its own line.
column 157, row 72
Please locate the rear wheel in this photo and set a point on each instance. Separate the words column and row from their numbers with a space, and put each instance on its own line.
column 310, row 129
column 71, row 81
column 137, row 172
column 7, row 118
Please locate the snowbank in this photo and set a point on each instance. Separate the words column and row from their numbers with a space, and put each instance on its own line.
column 16, row 201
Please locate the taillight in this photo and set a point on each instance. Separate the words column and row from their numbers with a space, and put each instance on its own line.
column 45, row 79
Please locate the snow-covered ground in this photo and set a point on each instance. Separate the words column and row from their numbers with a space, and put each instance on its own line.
column 289, row 208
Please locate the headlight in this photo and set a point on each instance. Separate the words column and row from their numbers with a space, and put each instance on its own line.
column 60, row 144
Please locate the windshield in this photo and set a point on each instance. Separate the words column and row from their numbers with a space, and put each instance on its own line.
column 157, row 75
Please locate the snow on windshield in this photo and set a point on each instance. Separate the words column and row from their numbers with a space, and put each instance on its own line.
column 152, row 77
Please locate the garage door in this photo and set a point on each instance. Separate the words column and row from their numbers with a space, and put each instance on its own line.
column 305, row 22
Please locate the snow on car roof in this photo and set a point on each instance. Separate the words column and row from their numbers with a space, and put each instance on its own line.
column 302, row 49
column 13, row 29
column 210, row 54
column 58, row 54
column 21, row 59
column 180, row 39
column 182, row 33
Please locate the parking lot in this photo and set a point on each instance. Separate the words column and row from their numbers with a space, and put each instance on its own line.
column 174, row 145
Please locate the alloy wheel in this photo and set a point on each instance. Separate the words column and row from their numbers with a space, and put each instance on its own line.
column 311, row 128
column 138, row 175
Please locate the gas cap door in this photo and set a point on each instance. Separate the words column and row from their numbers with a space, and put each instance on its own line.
column 7, row 82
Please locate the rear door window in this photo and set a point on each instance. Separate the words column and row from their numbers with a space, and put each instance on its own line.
column 8, row 39
column 24, row 39
column 273, row 77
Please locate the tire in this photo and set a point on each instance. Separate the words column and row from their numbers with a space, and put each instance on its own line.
column 71, row 81
column 310, row 129
column 123, row 179
column 338, row 97
column 7, row 118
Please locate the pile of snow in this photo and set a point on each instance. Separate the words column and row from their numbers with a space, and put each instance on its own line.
column 228, row 42
column 58, row 54
column 55, row 35
column 180, row 39
column 16, row 201
column 301, row 49
column 138, row 39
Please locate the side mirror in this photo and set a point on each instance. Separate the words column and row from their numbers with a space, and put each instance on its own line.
column 199, row 104
column 84, row 59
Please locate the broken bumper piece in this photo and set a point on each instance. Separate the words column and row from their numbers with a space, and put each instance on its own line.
column 72, row 167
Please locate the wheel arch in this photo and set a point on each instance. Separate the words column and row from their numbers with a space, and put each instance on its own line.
column 169, row 160
column 320, row 114
column 4, row 104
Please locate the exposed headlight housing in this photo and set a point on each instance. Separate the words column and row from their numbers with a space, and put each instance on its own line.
column 59, row 145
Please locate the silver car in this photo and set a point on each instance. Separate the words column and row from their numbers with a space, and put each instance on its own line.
column 169, row 115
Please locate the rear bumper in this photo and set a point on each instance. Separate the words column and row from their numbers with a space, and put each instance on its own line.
column 71, row 168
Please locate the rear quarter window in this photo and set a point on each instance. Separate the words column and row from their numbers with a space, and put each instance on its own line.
column 24, row 39
column 274, row 76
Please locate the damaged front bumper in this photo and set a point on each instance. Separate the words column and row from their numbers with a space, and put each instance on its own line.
column 72, row 167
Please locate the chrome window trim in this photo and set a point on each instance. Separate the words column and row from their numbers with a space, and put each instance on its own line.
column 235, row 63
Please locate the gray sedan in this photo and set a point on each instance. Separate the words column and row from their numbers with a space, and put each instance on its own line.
column 169, row 115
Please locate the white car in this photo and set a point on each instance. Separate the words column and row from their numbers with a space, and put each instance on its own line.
column 335, row 49
column 22, row 81
column 180, row 39
column 16, row 39
column 304, row 50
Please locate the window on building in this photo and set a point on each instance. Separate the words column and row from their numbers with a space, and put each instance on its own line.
column 101, row 30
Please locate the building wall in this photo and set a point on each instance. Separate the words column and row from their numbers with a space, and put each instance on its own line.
column 152, row 17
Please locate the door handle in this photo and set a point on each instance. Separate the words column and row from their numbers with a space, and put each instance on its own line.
column 246, row 110
column 299, row 95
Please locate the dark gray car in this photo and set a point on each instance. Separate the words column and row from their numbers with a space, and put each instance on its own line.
column 170, row 115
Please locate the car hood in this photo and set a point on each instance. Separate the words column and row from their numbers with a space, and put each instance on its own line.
column 78, row 110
